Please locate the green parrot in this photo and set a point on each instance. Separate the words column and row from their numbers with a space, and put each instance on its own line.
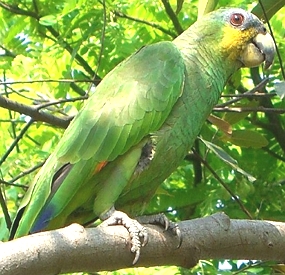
column 140, row 123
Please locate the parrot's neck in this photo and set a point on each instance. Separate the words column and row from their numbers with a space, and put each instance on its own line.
column 206, row 74
column 206, row 51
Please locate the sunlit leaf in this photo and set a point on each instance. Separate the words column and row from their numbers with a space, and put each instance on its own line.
column 48, row 20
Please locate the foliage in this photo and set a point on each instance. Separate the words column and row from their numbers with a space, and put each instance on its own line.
column 55, row 50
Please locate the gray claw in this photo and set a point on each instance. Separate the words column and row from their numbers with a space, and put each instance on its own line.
column 168, row 225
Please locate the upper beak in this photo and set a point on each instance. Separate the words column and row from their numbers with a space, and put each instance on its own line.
column 261, row 49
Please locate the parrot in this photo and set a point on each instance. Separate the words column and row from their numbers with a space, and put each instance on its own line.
column 139, row 124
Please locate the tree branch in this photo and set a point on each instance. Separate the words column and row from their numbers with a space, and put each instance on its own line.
column 74, row 249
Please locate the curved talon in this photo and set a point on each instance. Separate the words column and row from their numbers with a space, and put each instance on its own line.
column 176, row 231
column 138, row 233
column 144, row 236
column 168, row 225
column 137, row 256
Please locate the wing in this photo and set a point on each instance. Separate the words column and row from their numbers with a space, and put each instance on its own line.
column 132, row 101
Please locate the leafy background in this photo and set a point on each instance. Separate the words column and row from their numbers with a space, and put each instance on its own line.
column 53, row 53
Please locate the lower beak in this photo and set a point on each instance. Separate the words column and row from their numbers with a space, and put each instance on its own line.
column 261, row 49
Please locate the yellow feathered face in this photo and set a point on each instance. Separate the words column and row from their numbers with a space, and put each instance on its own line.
column 244, row 38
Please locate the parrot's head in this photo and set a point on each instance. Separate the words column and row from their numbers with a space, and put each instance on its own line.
column 236, row 36
column 245, row 38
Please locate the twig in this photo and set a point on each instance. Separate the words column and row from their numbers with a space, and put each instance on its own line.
column 250, row 95
column 272, row 34
column 51, row 103
column 252, row 91
column 13, row 126
column 250, row 109
column 172, row 16
column 15, row 9
column 13, row 184
column 15, row 142
column 270, row 152
column 96, row 81
column 27, row 172
column 216, row 176
column 7, row 52
column 154, row 25
column 102, row 44
column 5, row 210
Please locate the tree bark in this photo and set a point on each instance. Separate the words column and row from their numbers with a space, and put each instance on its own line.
column 75, row 249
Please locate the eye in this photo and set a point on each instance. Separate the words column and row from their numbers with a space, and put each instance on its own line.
column 237, row 19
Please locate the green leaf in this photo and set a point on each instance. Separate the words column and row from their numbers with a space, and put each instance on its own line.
column 48, row 20
column 246, row 138
column 234, row 117
column 270, row 7
column 224, row 156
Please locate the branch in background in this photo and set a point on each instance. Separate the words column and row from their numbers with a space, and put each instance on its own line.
column 153, row 25
column 7, row 52
column 279, row 6
column 16, row 10
column 275, row 124
column 250, row 109
column 24, row 173
column 4, row 208
column 74, row 248
column 172, row 16
column 251, row 92
column 198, row 172
column 15, row 141
column 270, row 152
column 35, row 112
column 96, row 81
column 13, row 124
column 77, row 57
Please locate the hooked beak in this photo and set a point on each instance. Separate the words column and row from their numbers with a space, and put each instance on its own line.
column 260, row 49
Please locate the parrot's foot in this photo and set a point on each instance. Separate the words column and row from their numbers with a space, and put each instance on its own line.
column 161, row 219
column 138, row 233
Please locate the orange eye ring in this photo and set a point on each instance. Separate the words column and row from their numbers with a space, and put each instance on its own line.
column 237, row 19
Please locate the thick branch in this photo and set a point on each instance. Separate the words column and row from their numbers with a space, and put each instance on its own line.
column 74, row 249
